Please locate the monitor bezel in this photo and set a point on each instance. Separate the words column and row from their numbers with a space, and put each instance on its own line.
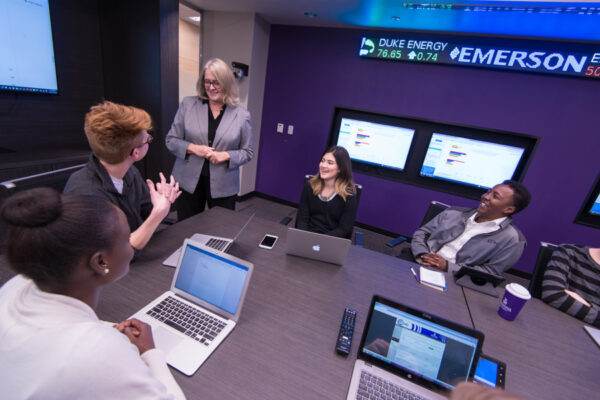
column 584, row 216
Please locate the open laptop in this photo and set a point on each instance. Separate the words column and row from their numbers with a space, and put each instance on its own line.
column 412, row 351
column 215, row 242
column 210, row 287
column 317, row 246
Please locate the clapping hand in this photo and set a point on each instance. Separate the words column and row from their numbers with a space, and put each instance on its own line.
column 169, row 190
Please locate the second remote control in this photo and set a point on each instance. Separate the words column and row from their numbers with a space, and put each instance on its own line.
column 344, row 341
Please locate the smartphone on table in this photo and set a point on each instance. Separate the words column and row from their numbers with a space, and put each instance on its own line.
column 490, row 372
column 268, row 242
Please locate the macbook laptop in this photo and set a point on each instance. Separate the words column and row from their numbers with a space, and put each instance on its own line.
column 215, row 242
column 409, row 351
column 202, row 307
column 317, row 246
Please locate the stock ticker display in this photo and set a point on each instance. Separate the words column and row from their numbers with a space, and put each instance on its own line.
column 562, row 58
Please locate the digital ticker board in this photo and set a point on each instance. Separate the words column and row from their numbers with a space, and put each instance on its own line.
column 571, row 59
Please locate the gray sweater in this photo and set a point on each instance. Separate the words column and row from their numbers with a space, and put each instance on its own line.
column 493, row 252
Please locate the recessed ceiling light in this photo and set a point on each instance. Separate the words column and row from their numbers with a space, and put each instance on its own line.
column 195, row 18
column 310, row 14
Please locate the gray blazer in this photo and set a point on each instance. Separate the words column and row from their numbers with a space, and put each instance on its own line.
column 233, row 135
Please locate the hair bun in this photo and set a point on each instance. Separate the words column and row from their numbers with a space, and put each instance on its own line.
column 31, row 208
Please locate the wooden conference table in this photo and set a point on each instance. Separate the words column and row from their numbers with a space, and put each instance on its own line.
column 283, row 345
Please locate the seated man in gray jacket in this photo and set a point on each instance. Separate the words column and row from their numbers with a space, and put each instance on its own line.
column 483, row 238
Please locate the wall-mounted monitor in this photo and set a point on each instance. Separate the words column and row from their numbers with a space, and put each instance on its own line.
column 26, row 47
column 462, row 160
column 471, row 162
column 374, row 143
column 378, row 144
column 589, row 213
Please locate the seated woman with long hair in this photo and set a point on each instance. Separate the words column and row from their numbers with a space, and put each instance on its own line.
column 328, row 203
column 52, row 344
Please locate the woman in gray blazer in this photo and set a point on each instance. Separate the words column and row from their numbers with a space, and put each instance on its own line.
column 210, row 137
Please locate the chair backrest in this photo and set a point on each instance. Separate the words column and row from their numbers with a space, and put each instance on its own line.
column 56, row 179
column 537, row 277
column 435, row 207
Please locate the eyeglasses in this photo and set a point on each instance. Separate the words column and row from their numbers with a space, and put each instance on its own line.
column 215, row 84
column 149, row 140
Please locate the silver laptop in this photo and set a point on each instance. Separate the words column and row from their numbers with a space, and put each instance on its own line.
column 410, row 352
column 208, row 292
column 331, row 249
column 214, row 242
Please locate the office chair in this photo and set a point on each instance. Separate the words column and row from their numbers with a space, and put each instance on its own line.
column 537, row 277
column 56, row 179
column 435, row 207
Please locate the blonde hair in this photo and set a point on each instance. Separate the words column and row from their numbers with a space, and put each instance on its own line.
column 112, row 130
column 344, row 183
column 224, row 75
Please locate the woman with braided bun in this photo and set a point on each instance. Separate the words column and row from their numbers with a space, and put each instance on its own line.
column 52, row 345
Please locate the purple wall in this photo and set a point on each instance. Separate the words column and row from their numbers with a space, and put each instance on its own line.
column 310, row 70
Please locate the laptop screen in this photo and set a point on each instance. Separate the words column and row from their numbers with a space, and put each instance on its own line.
column 422, row 347
column 211, row 278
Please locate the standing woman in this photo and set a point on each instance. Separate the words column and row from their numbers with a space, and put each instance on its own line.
column 328, row 203
column 65, row 249
column 211, row 138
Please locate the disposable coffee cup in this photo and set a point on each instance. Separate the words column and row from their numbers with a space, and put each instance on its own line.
column 515, row 297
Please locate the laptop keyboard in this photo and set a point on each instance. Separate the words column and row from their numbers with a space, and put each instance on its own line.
column 186, row 319
column 217, row 244
column 372, row 387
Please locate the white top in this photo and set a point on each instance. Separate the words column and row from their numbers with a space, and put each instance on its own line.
column 118, row 183
column 472, row 228
column 55, row 347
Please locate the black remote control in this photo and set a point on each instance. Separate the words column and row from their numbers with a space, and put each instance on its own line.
column 344, row 341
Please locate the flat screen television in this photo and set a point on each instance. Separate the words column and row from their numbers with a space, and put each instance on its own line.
column 462, row 160
column 469, row 161
column 377, row 144
column 589, row 213
column 26, row 47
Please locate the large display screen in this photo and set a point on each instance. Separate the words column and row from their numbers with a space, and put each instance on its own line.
column 568, row 59
column 375, row 143
column 26, row 47
column 463, row 160
column 469, row 161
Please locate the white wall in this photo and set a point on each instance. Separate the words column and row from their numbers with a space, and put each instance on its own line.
column 241, row 37
column 189, row 55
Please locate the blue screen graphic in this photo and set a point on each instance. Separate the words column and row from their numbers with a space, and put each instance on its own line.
column 486, row 372
column 595, row 210
column 212, row 278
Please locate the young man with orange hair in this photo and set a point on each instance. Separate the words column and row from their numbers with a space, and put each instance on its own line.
column 118, row 136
